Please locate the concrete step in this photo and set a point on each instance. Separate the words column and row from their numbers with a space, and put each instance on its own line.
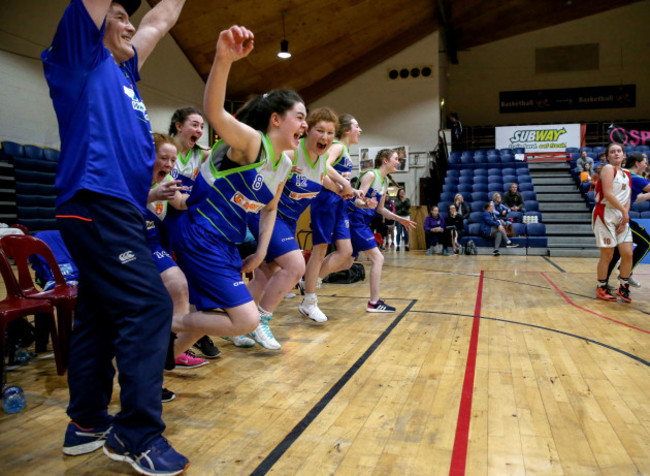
column 574, row 252
column 559, row 197
column 535, row 166
column 555, row 188
column 564, row 180
column 572, row 241
column 569, row 229
column 562, row 206
column 575, row 217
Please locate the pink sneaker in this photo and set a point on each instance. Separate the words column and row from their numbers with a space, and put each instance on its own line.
column 188, row 360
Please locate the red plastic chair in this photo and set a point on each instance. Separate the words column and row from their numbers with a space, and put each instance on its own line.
column 61, row 296
column 15, row 306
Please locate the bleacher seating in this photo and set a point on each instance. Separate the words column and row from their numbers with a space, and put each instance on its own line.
column 34, row 169
column 478, row 175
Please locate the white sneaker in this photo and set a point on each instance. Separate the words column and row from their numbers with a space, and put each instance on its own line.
column 263, row 335
column 633, row 282
column 241, row 341
column 310, row 309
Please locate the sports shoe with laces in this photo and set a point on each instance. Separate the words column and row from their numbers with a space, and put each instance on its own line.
column 624, row 293
column 240, row 341
column 633, row 282
column 187, row 360
column 379, row 306
column 167, row 395
column 512, row 245
column 158, row 459
column 79, row 440
column 604, row 294
column 309, row 308
column 207, row 348
column 263, row 335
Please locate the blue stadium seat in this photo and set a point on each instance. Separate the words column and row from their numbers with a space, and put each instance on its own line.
column 480, row 172
column 479, row 197
column 526, row 187
column 537, row 235
column 509, row 178
column 465, row 180
column 13, row 149
column 33, row 152
column 51, row 155
column 517, row 217
column 494, row 172
column 467, row 196
column 465, row 188
column 444, row 205
column 480, row 187
column 529, row 195
column 524, row 179
column 522, row 171
column 475, row 217
column 481, row 179
column 508, row 171
column 466, row 172
column 519, row 230
column 645, row 214
column 447, row 196
column 477, row 206
column 641, row 206
column 531, row 205
column 507, row 159
column 634, row 214
column 493, row 159
column 451, row 188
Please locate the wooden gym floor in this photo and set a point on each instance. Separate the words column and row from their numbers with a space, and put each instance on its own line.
column 490, row 365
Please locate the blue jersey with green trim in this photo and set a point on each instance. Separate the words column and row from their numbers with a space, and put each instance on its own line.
column 343, row 164
column 222, row 197
column 377, row 190
column 301, row 188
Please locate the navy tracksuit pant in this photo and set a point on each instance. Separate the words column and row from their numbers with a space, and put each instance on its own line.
column 123, row 312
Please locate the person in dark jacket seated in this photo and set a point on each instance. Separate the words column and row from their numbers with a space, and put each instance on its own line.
column 513, row 199
column 492, row 227
column 453, row 229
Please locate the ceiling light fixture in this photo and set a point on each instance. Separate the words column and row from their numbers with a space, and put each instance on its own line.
column 284, row 44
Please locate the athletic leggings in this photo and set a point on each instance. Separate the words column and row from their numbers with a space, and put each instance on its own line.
column 641, row 239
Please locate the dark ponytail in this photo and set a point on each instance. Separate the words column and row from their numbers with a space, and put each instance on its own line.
column 258, row 110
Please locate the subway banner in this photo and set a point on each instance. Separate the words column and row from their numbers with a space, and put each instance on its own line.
column 538, row 138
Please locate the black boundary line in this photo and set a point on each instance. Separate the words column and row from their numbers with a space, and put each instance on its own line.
column 302, row 425
column 586, row 339
column 586, row 296
column 554, row 264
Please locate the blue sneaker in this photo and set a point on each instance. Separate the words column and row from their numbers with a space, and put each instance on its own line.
column 160, row 459
column 79, row 441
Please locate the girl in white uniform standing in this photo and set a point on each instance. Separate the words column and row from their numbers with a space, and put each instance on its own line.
column 610, row 222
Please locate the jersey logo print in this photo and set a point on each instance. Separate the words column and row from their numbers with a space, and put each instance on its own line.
column 246, row 204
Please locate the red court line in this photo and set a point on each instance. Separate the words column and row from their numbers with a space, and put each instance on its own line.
column 459, row 454
column 590, row 311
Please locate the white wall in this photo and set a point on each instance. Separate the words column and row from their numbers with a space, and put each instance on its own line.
column 27, row 27
column 474, row 84
column 395, row 112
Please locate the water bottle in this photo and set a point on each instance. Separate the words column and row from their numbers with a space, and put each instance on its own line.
column 22, row 355
column 13, row 399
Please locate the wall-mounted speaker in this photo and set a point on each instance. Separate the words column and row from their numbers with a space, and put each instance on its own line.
column 415, row 72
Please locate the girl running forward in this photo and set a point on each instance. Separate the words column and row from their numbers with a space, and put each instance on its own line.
column 610, row 222
column 329, row 218
column 245, row 174
column 373, row 185
column 285, row 264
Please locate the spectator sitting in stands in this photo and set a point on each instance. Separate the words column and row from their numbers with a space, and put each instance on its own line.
column 586, row 172
column 453, row 229
column 500, row 210
column 513, row 199
column 582, row 160
column 461, row 206
column 434, row 229
column 602, row 159
column 492, row 227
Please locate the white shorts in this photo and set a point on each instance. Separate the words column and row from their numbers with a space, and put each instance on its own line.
column 605, row 228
